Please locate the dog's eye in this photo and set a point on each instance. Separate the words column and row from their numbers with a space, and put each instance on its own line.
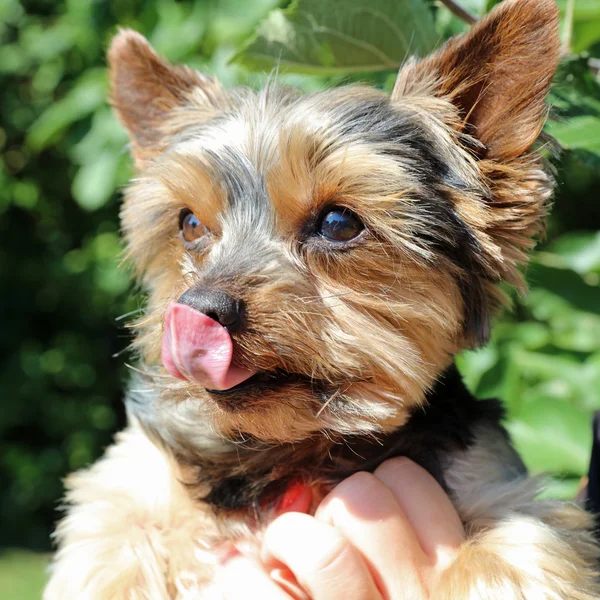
column 190, row 226
column 340, row 225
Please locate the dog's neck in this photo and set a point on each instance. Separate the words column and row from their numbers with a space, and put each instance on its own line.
column 250, row 476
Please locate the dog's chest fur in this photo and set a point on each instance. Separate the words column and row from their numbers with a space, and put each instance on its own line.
column 247, row 476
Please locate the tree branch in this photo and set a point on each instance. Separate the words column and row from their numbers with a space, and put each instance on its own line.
column 459, row 11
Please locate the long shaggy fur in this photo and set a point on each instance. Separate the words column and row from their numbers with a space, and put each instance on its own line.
column 356, row 340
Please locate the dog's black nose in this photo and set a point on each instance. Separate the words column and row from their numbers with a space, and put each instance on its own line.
column 215, row 304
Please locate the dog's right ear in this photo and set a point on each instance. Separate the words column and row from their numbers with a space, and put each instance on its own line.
column 146, row 91
column 497, row 75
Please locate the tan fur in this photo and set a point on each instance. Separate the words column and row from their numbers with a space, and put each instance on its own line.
column 452, row 192
column 494, row 75
column 159, row 89
column 497, row 84
column 136, row 534
column 297, row 180
column 518, row 547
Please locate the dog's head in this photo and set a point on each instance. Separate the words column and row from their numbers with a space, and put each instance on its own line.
column 314, row 261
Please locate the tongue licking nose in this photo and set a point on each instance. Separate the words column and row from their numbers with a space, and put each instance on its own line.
column 194, row 346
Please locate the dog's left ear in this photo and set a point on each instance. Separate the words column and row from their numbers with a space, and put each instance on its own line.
column 497, row 75
column 147, row 91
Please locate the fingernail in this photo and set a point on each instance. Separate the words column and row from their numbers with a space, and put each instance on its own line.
column 285, row 579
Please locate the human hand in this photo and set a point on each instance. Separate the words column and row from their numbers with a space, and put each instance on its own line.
column 390, row 534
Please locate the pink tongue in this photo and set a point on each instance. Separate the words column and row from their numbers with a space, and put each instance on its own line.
column 195, row 346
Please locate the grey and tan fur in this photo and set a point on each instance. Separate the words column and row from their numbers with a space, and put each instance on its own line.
column 355, row 340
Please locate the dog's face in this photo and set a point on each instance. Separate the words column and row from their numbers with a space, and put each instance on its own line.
column 313, row 262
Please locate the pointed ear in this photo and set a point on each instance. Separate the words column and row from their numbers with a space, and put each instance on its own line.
column 497, row 75
column 146, row 90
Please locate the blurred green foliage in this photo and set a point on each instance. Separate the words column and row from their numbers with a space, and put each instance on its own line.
column 22, row 574
column 63, row 158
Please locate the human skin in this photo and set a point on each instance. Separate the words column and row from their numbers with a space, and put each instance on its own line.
column 387, row 535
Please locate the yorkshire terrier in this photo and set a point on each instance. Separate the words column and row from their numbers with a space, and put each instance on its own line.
column 312, row 264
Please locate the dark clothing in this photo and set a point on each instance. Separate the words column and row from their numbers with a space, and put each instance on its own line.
column 593, row 488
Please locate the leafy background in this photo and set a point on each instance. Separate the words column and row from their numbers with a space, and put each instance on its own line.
column 63, row 159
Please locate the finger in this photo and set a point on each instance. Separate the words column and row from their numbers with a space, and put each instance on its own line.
column 286, row 580
column 432, row 515
column 240, row 575
column 323, row 562
column 366, row 513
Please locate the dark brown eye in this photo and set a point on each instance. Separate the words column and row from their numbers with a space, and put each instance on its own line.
column 340, row 225
column 190, row 226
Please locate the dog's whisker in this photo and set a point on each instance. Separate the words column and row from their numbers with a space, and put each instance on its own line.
column 329, row 400
column 128, row 314
column 151, row 374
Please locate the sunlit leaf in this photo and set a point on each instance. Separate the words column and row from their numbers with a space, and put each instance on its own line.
column 179, row 29
column 579, row 251
column 586, row 23
column 328, row 37
column 577, row 133
column 88, row 94
column 448, row 25
column 576, row 95
column 563, row 488
column 105, row 133
column 227, row 24
column 553, row 436
column 95, row 181
column 45, row 43
column 474, row 364
column 566, row 285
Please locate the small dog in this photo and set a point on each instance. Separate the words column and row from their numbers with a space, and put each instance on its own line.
column 313, row 263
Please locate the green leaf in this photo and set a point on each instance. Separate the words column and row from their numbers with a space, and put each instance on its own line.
column 12, row 59
column 448, row 25
column 577, row 133
column 473, row 364
column 576, row 96
column 564, row 284
column 227, row 24
column 179, row 29
column 531, row 335
column 325, row 36
column 95, row 182
column 561, row 488
column 23, row 574
column 575, row 90
column 586, row 23
column 86, row 96
column 585, row 34
column 579, row 251
column 552, row 436
column 10, row 12
column 44, row 43
column 105, row 133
